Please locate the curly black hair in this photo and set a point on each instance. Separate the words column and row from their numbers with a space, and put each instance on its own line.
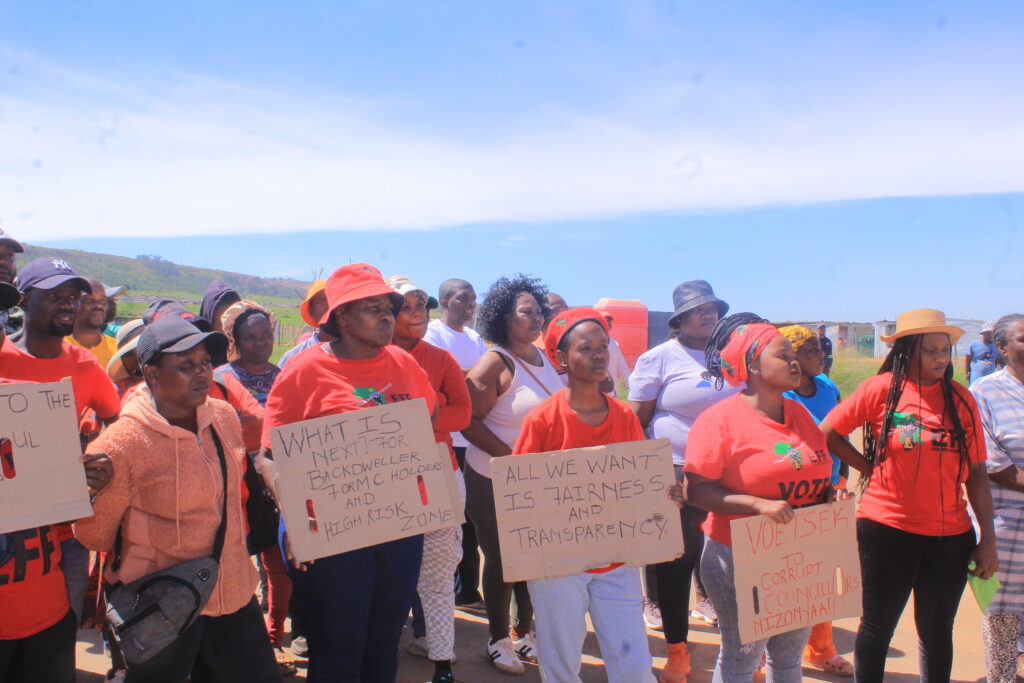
column 500, row 300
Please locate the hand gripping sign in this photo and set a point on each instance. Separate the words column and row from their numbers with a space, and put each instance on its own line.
column 564, row 512
column 42, row 480
column 361, row 478
column 796, row 575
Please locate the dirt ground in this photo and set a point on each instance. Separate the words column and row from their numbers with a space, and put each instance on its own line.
column 473, row 666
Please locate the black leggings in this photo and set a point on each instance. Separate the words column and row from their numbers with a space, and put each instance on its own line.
column 497, row 593
column 893, row 564
column 669, row 586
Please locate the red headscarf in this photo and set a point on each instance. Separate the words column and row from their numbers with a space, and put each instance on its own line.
column 745, row 345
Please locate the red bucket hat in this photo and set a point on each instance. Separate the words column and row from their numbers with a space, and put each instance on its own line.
column 351, row 283
column 562, row 325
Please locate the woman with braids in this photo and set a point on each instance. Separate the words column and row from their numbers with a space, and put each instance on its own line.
column 755, row 453
column 1000, row 398
column 923, row 439
column 505, row 384
column 668, row 391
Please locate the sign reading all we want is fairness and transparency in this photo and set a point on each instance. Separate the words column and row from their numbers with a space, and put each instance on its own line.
column 564, row 512
column 361, row 478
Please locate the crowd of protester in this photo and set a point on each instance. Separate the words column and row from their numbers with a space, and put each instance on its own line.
column 175, row 411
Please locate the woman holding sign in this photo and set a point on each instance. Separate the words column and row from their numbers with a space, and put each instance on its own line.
column 741, row 454
column 923, row 440
column 504, row 385
column 354, row 604
column 578, row 416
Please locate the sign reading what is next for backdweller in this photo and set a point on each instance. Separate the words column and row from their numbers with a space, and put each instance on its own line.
column 42, row 480
column 364, row 477
column 564, row 512
column 795, row 575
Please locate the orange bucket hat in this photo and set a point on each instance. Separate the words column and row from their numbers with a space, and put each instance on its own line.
column 313, row 290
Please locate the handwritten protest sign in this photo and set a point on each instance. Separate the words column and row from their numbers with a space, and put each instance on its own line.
column 796, row 575
column 564, row 512
column 365, row 477
column 42, row 480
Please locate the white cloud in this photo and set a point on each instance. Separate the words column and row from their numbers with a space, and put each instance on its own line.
column 86, row 155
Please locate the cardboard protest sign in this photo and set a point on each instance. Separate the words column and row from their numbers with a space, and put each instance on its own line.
column 369, row 476
column 564, row 512
column 42, row 480
column 796, row 575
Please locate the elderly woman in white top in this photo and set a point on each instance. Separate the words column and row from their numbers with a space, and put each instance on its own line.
column 1000, row 399
column 505, row 384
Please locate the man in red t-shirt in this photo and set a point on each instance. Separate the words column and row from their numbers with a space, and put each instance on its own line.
column 51, row 297
column 37, row 626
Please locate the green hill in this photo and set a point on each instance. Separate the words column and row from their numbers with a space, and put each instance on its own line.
column 151, row 275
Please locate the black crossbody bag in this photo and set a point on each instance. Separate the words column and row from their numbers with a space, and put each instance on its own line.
column 149, row 614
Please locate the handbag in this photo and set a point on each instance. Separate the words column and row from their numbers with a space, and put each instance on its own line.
column 261, row 511
column 149, row 614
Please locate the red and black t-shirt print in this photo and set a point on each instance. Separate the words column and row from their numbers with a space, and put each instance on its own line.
column 29, row 553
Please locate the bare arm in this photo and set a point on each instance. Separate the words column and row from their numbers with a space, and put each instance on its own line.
column 487, row 380
column 979, row 493
column 1011, row 478
column 709, row 495
column 841, row 447
column 644, row 411
column 967, row 367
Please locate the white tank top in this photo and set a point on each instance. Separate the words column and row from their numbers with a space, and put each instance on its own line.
column 507, row 415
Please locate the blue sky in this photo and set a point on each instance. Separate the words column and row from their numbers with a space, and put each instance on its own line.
column 812, row 160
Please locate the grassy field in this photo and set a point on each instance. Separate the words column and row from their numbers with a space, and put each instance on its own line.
column 849, row 370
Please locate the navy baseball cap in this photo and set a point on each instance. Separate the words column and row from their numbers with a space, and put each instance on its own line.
column 14, row 244
column 49, row 273
column 9, row 296
column 172, row 334
column 171, row 308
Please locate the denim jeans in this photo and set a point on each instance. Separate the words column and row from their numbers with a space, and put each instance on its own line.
column 354, row 606
column 736, row 661
column 614, row 600
column 74, row 562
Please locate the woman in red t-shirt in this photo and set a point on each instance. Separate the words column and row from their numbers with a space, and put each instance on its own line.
column 755, row 453
column 923, row 440
column 578, row 416
column 355, row 603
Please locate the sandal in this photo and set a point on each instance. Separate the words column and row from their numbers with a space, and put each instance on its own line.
column 835, row 665
column 285, row 664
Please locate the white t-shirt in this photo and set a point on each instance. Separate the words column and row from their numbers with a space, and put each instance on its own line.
column 671, row 375
column 467, row 347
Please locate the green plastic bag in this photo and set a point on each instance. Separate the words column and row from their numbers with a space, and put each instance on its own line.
column 984, row 589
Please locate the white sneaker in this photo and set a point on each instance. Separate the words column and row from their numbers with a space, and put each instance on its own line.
column 526, row 647
column 705, row 611
column 652, row 616
column 418, row 646
column 504, row 658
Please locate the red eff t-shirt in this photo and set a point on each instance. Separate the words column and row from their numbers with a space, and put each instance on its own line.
column 554, row 426
column 93, row 389
column 747, row 453
column 917, row 488
column 453, row 404
column 32, row 593
column 317, row 383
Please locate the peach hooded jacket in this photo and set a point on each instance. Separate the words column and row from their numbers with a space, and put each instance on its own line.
column 166, row 498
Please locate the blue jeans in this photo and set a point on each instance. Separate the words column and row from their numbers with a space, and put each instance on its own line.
column 615, row 602
column 354, row 606
column 74, row 562
column 736, row 661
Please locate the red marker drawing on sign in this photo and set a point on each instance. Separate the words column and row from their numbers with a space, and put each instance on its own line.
column 312, row 516
column 423, row 490
column 7, row 458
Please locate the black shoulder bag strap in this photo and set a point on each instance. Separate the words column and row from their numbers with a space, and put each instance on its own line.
column 218, row 541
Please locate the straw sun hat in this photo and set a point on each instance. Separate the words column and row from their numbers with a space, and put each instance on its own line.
column 922, row 321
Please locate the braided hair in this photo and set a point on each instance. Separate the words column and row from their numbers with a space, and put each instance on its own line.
column 720, row 336
column 897, row 362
